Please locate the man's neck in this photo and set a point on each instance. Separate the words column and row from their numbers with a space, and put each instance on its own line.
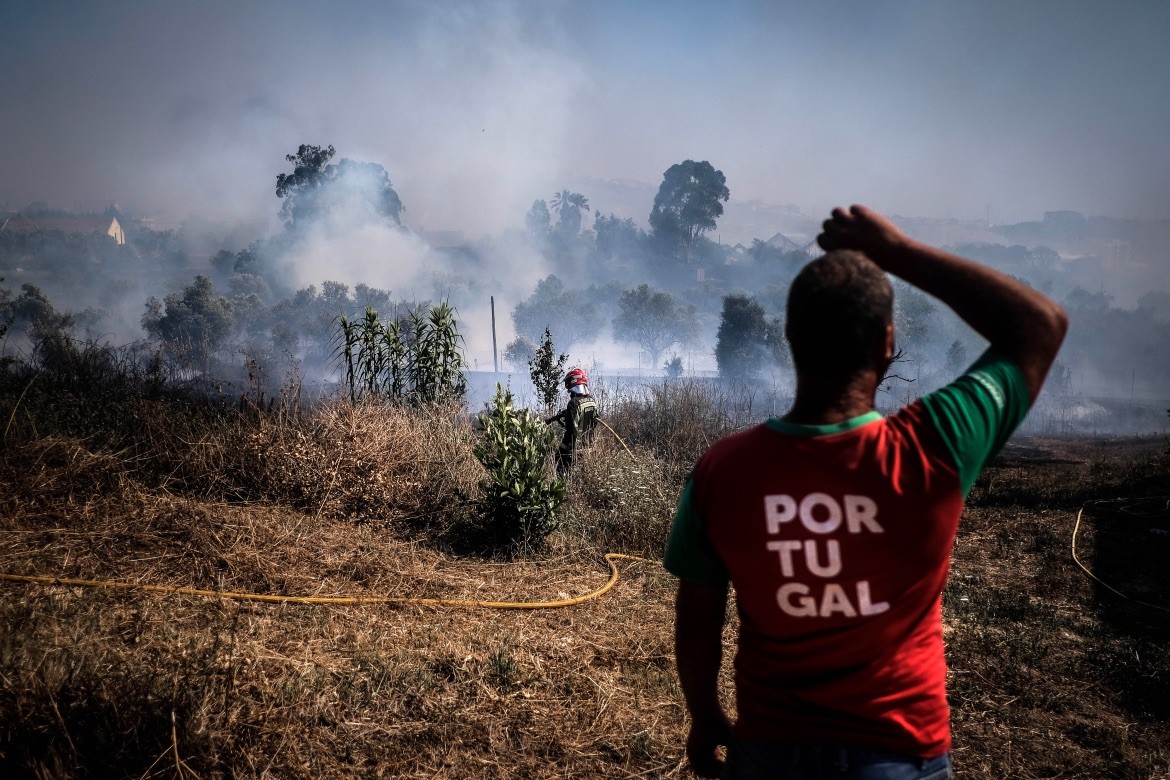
column 821, row 401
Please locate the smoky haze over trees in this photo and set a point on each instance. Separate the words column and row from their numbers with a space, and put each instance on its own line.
column 541, row 141
column 360, row 189
column 655, row 321
column 615, row 294
column 477, row 108
column 568, row 206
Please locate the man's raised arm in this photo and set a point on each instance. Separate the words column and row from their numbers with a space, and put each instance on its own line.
column 1020, row 322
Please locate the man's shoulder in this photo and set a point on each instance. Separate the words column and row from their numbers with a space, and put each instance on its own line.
column 912, row 415
column 734, row 446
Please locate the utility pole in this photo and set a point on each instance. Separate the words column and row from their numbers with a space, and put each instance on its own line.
column 495, row 361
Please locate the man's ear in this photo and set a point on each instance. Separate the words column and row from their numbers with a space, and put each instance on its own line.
column 884, row 351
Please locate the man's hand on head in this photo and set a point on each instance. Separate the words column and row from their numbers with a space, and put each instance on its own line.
column 1019, row 321
column 863, row 229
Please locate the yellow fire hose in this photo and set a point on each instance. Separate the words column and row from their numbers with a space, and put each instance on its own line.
column 335, row 600
column 1127, row 510
column 619, row 438
column 43, row 579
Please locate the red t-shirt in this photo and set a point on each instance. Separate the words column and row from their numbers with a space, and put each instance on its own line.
column 837, row 540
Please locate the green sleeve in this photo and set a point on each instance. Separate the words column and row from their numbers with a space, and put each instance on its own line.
column 689, row 555
column 977, row 412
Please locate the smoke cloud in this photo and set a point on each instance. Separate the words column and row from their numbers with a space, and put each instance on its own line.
column 968, row 117
column 474, row 108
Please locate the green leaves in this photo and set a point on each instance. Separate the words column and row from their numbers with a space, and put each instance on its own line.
column 418, row 360
column 518, row 507
column 546, row 369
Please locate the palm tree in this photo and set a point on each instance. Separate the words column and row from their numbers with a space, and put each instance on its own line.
column 569, row 206
column 559, row 200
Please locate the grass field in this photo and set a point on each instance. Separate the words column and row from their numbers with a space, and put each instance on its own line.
column 1052, row 674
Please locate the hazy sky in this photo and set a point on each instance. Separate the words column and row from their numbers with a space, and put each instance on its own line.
column 475, row 109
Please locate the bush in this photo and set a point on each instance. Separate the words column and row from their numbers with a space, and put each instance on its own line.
column 679, row 420
column 366, row 462
column 620, row 502
column 546, row 370
column 518, row 506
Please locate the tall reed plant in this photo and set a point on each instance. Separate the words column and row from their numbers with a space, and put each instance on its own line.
column 418, row 360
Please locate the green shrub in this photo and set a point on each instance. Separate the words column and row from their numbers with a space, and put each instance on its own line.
column 518, row 507
column 547, row 369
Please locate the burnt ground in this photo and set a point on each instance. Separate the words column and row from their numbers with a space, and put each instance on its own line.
column 1056, row 673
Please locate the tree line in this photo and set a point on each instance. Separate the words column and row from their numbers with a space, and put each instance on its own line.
column 665, row 290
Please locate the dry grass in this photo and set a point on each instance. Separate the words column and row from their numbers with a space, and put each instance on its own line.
column 678, row 421
column 620, row 500
column 1051, row 677
column 91, row 678
column 340, row 500
column 370, row 462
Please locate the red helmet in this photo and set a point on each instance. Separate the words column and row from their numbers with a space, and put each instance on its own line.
column 576, row 376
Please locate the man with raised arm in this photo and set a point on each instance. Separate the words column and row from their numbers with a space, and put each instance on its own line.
column 835, row 525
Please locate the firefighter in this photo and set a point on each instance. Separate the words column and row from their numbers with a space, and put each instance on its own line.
column 579, row 418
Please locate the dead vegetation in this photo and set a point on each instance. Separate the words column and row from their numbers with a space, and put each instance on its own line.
column 1050, row 676
column 92, row 679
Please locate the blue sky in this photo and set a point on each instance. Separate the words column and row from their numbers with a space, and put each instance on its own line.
column 475, row 109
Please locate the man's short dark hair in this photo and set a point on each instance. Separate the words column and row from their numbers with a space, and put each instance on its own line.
column 838, row 309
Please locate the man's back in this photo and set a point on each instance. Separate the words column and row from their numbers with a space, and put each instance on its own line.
column 837, row 540
column 837, row 544
column 581, row 414
column 835, row 525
